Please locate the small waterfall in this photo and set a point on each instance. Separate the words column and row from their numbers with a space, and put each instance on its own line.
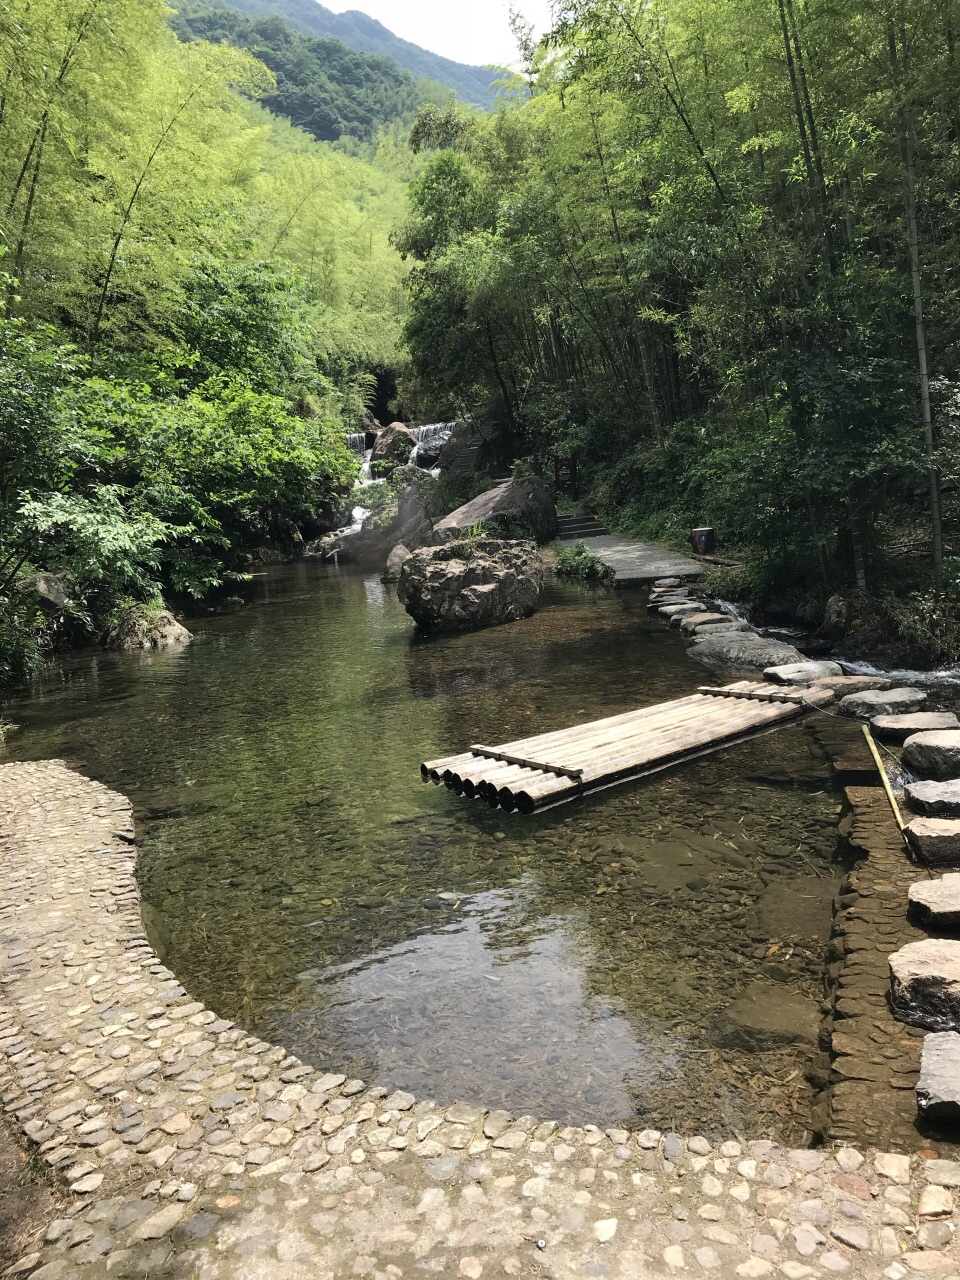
column 430, row 439
column 357, row 441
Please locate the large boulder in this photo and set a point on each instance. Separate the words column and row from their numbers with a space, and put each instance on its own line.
column 471, row 584
column 516, row 509
column 394, row 444
column 743, row 651
column 146, row 627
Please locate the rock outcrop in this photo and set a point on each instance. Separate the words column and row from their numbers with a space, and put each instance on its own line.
column 142, row 627
column 394, row 444
column 515, row 509
column 471, row 584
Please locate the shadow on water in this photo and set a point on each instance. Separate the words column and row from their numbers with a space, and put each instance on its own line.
column 577, row 965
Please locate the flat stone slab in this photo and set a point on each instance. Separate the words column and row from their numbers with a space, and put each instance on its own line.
column 667, row 582
column 938, row 1090
column 937, row 902
column 802, row 672
column 935, row 799
column 719, row 628
column 637, row 563
column 935, row 840
column 703, row 619
column 854, row 684
column 897, row 728
column 882, row 702
column 766, row 1016
column 933, row 755
column 925, row 984
column 671, row 611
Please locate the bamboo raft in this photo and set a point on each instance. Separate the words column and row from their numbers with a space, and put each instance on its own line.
column 553, row 768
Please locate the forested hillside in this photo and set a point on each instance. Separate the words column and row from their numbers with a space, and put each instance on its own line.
column 321, row 85
column 195, row 298
column 474, row 85
column 716, row 257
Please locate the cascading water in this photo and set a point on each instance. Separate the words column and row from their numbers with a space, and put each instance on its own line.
column 430, row 439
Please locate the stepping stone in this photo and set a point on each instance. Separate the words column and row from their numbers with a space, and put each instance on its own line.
column 925, row 984
column 937, row 902
column 668, row 582
column 653, row 606
column 680, row 610
column 882, row 702
column 933, row 755
column 718, row 628
column 935, row 840
column 690, row 622
column 802, row 672
column 854, row 684
column 900, row 727
column 938, row 1089
column 935, row 799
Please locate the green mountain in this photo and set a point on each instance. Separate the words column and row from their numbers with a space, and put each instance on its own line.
column 364, row 34
column 322, row 86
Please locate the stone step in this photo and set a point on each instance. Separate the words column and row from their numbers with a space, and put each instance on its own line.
column 935, row 799
column 898, row 728
column 936, row 903
column 933, row 755
column 667, row 582
column 882, row 702
column 936, row 841
column 938, row 1089
column 802, row 672
column 925, row 984
column 692, row 622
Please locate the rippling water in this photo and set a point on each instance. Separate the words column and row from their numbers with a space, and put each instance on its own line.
column 299, row 878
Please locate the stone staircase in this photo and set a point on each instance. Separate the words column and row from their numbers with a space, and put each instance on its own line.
column 573, row 528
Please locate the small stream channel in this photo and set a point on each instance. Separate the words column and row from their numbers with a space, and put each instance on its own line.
column 577, row 965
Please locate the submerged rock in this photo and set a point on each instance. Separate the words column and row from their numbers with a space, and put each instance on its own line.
column 148, row 628
column 471, row 584
column 933, row 755
column 766, row 1016
column 925, row 984
column 517, row 509
column 938, row 1089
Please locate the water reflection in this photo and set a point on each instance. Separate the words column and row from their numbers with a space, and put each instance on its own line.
column 299, row 877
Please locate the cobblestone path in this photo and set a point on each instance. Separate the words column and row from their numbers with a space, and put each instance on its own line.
column 192, row 1149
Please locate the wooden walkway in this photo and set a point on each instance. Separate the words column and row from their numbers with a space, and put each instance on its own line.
column 537, row 773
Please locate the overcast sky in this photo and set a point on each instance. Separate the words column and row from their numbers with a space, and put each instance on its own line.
column 474, row 31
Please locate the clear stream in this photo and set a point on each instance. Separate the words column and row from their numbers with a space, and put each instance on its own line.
column 299, row 878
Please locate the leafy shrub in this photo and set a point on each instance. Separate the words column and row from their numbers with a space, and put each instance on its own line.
column 578, row 562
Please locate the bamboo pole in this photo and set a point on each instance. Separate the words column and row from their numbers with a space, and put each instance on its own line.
column 885, row 779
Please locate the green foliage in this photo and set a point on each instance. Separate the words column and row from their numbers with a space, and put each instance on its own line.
column 450, row 490
column 685, row 262
column 578, row 562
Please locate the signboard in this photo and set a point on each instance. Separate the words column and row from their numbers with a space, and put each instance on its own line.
column 565, row 476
